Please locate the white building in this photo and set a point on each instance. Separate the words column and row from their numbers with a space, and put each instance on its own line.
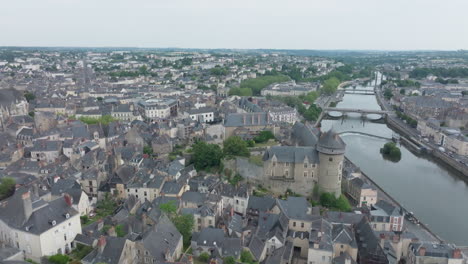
column 204, row 114
column 158, row 108
column 38, row 228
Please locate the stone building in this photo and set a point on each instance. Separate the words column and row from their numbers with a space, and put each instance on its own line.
column 300, row 168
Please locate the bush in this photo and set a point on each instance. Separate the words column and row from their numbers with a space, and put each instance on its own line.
column 330, row 201
column 264, row 136
column 7, row 187
column 230, row 260
column 246, row 257
column 204, row 257
column 59, row 259
column 391, row 152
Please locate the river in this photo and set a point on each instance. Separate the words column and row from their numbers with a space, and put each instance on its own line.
column 437, row 196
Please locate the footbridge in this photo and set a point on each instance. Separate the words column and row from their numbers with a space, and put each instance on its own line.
column 365, row 134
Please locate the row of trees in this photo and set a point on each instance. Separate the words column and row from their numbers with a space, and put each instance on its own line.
column 455, row 72
column 254, row 86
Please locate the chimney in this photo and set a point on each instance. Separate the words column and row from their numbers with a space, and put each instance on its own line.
column 347, row 260
column 190, row 259
column 167, row 254
column 111, row 232
column 27, row 205
column 382, row 240
column 68, row 199
column 232, row 212
column 457, row 254
column 101, row 244
column 422, row 251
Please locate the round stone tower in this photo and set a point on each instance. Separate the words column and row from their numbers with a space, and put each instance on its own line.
column 331, row 149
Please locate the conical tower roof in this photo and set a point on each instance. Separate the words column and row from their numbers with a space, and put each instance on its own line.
column 331, row 143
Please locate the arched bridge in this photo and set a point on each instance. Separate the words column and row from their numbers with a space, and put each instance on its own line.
column 354, row 110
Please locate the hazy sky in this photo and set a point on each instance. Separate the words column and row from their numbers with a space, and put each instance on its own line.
column 289, row 24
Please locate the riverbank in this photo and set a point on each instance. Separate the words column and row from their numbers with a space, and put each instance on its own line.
column 421, row 230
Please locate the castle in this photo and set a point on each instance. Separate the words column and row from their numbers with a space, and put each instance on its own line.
column 316, row 158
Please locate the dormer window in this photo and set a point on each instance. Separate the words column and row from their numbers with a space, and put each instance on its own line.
column 67, row 215
column 53, row 223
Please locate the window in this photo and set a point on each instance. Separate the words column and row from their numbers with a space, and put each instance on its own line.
column 302, row 225
column 330, row 159
column 305, row 173
column 286, row 173
column 274, row 164
column 305, row 165
column 287, row 164
column 145, row 193
column 294, row 224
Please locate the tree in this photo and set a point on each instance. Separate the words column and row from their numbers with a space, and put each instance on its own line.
column 204, row 257
column 206, row 156
column 59, row 259
column 330, row 201
column 184, row 223
column 230, row 260
column 235, row 146
column 264, row 136
column 402, row 91
column 119, row 230
column 388, row 94
column 391, row 152
column 7, row 187
column 169, row 208
column 246, row 257
column 330, row 85
column 29, row 96
column 148, row 150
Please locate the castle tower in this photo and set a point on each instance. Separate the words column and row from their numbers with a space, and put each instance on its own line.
column 331, row 149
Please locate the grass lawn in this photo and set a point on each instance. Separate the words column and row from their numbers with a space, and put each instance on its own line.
column 266, row 144
column 256, row 159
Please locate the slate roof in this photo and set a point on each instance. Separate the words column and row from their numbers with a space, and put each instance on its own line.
column 295, row 208
column 251, row 119
column 331, row 141
column 292, row 154
column 12, row 213
column 305, row 134
column 387, row 207
column 261, row 204
column 111, row 252
column 164, row 236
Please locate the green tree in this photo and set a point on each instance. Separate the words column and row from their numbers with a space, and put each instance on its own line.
column 330, row 85
column 59, row 259
column 388, row 94
column 29, row 96
column 170, row 208
column 403, row 91
column 7, row 187
column 264, row 136
column 235, row 146
column 391, row 151
column 204, row 257
column 206, row 156
column 246, row 257
column 229, row 260
column 119, row 230
column 148, row 150
column 184, row 223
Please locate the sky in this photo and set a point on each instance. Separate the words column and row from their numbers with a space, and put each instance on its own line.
column 237, row 24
